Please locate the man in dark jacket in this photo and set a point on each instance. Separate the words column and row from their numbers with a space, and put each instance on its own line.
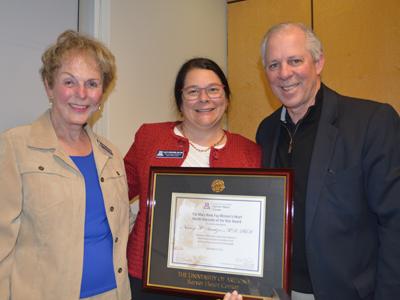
column 345, row 153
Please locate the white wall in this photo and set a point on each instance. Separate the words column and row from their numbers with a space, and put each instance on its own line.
column 151, row 39
column 27, row 28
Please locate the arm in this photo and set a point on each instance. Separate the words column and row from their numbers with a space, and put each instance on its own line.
column 381, row 165
column 130, row 162
column 132, row 174
column 11, row 206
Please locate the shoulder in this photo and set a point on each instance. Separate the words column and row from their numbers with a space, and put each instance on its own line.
column 16, row 135
column 161, row 125
column 240, row 139
column 15, row 132
column 358, row 110
column 369, row 124
column 266, row 129
column 346, row 103
column 237, row 140
column 156, row 129
column 105, row 145
column 369, row 107
column 240, row 151
column 270, row 120
column 38, row 128
column 151, row 136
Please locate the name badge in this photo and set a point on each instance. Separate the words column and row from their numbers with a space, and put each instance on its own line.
column 169, row 154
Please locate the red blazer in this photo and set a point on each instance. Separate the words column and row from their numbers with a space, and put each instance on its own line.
column 150, row 142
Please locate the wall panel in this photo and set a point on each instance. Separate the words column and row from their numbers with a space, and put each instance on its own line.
column 362, row 47
column 247, row 22
column 151, row 39
column 27, row 28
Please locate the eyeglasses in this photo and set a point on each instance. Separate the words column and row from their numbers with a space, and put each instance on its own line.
column 213, row 91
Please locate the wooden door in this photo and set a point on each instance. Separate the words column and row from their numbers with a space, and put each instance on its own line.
column 362, row 47
column 361, row 39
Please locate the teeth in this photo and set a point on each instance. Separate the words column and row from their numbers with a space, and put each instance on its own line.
column 78, row 106
column 204, row 110
column 287, row 88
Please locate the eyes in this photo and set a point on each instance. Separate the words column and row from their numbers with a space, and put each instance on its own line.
column 293, row 61
column 71, row 82
column 213, row 91
column 273, row 66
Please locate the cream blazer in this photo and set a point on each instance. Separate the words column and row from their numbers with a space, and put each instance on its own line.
column 42, row 214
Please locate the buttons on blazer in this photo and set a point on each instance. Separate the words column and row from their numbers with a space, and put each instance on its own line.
column 116, row 240
column 111, row 208
column 119, row 270
column 41, row 168
column 102, row 179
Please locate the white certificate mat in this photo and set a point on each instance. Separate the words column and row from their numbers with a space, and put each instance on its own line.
column 217, row 233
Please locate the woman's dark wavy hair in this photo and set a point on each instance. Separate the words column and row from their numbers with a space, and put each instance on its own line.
column 198, row 63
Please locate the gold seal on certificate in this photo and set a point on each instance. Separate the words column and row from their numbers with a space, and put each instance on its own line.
column 218, row 186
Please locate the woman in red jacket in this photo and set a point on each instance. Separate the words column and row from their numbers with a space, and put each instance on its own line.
column 199, row 140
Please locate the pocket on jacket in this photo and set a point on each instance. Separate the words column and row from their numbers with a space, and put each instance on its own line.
column 44, row 186
column 114, row 178
column 114, row 187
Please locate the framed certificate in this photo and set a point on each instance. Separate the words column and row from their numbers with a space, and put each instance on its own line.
column 213, row 230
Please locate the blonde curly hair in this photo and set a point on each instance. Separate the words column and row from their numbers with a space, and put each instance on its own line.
column 70, row 41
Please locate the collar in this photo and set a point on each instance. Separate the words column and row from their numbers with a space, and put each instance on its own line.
column 182, row 138
column 43, row 136
column 312, row 114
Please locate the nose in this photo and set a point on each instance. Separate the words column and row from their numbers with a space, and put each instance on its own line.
column 81, row 92
column 203, row 95
column 285, row 71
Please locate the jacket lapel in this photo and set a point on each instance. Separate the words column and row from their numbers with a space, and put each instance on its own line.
column 43, row 136
column 322, row 152
column 270, row 139
column 101, row 149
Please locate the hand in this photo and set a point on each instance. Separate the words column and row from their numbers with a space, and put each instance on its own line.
column 233, row 296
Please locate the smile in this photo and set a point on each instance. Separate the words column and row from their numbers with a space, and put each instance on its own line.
column 204, row 109
column 79, row 107
column 289, row 87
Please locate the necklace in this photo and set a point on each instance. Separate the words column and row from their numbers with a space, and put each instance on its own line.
column 205, row 149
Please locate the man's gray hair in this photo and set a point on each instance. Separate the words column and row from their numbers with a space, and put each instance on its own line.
column 313, row 44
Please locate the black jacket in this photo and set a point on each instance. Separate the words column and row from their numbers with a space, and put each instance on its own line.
column 353, row 198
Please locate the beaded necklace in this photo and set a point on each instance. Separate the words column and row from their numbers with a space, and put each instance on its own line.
column 205, row 149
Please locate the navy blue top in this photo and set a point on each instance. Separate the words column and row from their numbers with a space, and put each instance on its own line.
column 98, row 268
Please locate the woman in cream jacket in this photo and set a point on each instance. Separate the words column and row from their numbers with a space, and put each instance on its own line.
column 64, row 203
